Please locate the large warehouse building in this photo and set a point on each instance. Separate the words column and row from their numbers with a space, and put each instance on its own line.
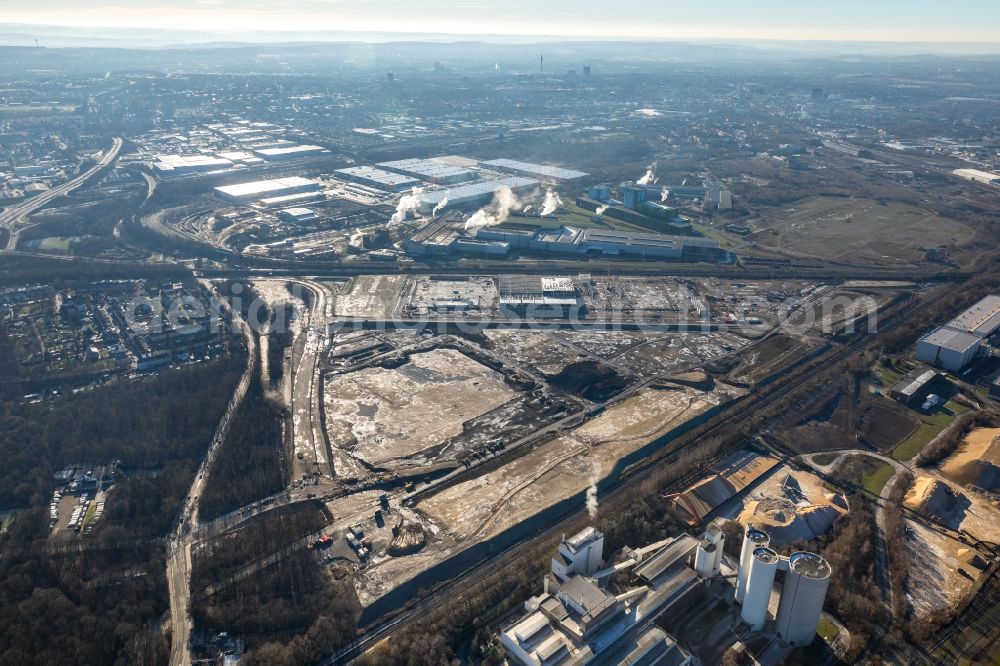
column 431, row 171
column 474, row 194
column 954, row 345
column 541, row 171
column 178, row 165
column 378, row 178
column 246, row 192
column 289, row 152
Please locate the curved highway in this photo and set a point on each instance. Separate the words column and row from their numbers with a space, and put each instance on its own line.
column 12, row 218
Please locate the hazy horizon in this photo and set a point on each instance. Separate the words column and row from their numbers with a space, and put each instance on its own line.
column 972, row 22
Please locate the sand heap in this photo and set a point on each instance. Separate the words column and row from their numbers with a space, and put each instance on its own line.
column 789, row 522
column 409, row 537
column 976, row 462
column 932, row 497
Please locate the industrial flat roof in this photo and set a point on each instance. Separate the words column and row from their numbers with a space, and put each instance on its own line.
column 556, row 173
column 632, row 238
column 477, row 189
column 981, row 319
column 378, row 175
column 678, row 549
column 264, row 186
column 913, row 381
column 586, row 595
column 298, row 212
column 949, row 338
column 976, row 173
column 288, row 150
column 427, row 168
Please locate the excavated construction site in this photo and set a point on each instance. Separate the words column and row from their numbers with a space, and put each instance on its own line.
column 491, row 428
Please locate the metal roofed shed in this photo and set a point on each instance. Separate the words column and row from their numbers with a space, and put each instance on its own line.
column 912, row 385
column 982, row 319
column 665, row 560
column 537, row 170
column 297, row 214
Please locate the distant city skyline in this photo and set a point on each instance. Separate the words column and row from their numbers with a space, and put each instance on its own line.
column 966, row 21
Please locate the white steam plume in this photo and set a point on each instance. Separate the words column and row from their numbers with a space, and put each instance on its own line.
column 408, row 203
column 504, row 201
column 592, row 493
column 600, row 210
column 648, row 177
column 439, row 207
column 552, row 201
column 664, row 193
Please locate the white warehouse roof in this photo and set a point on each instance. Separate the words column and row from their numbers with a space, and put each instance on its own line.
column 982, row 319
column 950, row 339
column 540, row 170
column 253, row 188
column 458, row 195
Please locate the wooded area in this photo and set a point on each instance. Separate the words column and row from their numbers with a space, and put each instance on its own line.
column 95, row 599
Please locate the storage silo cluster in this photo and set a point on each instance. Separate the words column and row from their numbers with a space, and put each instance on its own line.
column 752, row 540
column 803, row 592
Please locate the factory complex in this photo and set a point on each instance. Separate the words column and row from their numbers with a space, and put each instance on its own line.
column 596, row 612
column 954, row 345
column 473, row 194
column 447, row 235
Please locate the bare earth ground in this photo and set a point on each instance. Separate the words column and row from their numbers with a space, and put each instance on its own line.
column 935, row 582
column 976, row 459
column 564, row 466
column 955, row 507
column 372, row 296
column 384, row 414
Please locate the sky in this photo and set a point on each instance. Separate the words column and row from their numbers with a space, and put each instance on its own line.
column 835, row 20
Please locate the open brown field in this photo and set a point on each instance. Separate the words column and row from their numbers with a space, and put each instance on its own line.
column 383, row 415
column 490, row 503
column 859, row 230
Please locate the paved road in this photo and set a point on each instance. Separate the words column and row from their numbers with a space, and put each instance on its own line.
column 307, row 421
column 181, row 539
column 13, row 217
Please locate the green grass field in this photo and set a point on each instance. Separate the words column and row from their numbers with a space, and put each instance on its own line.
column 55, row 244
column 876, row 479
column 930, row 426
column 827, row 630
